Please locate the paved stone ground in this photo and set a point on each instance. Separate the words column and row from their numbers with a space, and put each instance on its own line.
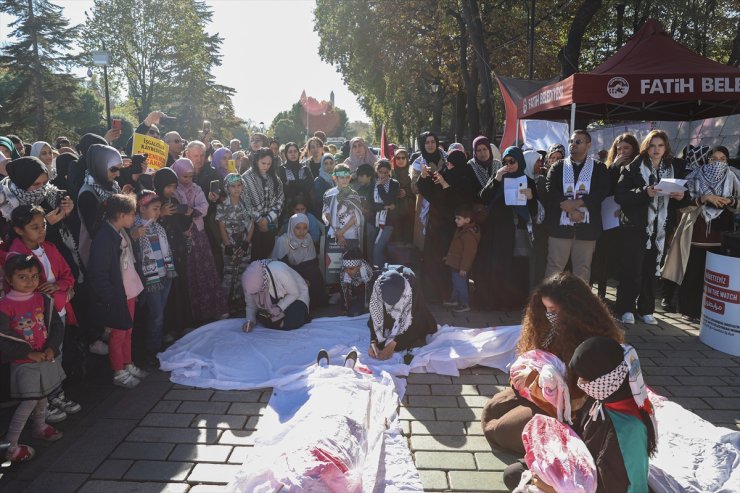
column 165, row 437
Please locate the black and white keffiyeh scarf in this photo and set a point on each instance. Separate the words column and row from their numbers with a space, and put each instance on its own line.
column 401, row 313
column 290, row 175
column 483, row 174
column 102, row 192
column 156, row 264
column 382, row 214
column 264, row 194
column 342, row 204
column 657, row 208
column 713, row 179
column 364, row 275
column 573, row 189
column 553, row 319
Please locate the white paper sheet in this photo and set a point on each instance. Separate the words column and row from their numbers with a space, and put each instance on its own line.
column 609, row 210
column 511, row 191
column 668, row 186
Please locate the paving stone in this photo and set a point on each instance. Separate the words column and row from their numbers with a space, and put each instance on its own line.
column 252, row 423
column 231, row 437
column 428, row 378
column 188, row 395
column 719, row 362
column 93, row 446
column 207, row 488
column 496, row 461
column 417, row 389
column 729, row 392
column 142, row 451
column 222, row 421
column 455, row 389
column 247, row 408
column 433, row 480
column 435, row 401
column 150, row 470
column 421, row 413
column 667, row 370
column 691, row 403
column 473, row 428
column 490, row 390
column 237, row 395
column 691, row 391
column 405, row 427
column 660, row 380
column 732, row 381
column 700, row 380
column 476, row 379
column 451, row 443
column 174, row 435
column 473, row 480
column 719, row 403
column 168, row 420
column 459, row 414
column 265, row 397
column 437, row 428
column 57, row 482
column 710, row 371
column 472, row 400
column 97, row 486
column 213, row 473
column 444, row 460
column 165, row 407
column 239, row 455
column 719, row 416
column 112, row 469
column 199, row 407
column 200, row 453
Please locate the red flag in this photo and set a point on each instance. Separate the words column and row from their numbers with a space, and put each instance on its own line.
column 384, row 149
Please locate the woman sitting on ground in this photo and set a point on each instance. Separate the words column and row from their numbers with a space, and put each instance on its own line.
column 399, row 317
column 562, row 313
column 276, row 296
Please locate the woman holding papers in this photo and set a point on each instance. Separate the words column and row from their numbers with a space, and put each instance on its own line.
column 643, row 223
column 511, row 199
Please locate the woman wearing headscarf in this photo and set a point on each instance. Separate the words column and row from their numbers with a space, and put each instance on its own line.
column 43, row 151
column 63, row 165
column 359, row 153
column 511, row 245
column 399, row 317
column 78, row 169
column 536, row 172
column 430, row 155
column 204, row 286
column 555, row 153
column 264, row 193
column 444, row 190
column 714, row 190
column 220, row 161
column 322, row 183
column 483, row 166
column 406, row 202
column 104, row 166
column 295, row 176
column 296, row 248
column 276, row 295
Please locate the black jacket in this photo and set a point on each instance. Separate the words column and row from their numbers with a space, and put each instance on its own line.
column 631, row 193
column 109, row 305
column 389, row 198
column 598, row 192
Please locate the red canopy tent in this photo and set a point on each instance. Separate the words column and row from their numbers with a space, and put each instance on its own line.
column 652, row 77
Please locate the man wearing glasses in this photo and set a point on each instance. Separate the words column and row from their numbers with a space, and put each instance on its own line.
column 174, row 141
column 148, row 127
column 576, row 186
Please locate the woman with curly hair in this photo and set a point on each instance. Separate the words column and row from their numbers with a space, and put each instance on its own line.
column 562, row 313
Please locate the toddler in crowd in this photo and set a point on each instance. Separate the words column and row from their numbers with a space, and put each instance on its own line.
column 460, row 257
column 31, row 334
column 354, row 281
column 343, row 210
column 115, row 284
column 157, row 267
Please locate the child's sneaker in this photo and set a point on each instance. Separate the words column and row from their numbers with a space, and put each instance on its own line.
column 462, row 309
column 136, row 371
column 449, row 303
column 60, row 401
column 99, row 347
column 48, row 433
column 20, row 453
column 125, row 379
column 55, row 414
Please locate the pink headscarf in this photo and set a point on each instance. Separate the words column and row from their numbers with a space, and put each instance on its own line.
column 361, row 156
column 255, row 283
column 190, row 194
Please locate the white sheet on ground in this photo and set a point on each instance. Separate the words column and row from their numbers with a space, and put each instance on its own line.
column 693, row 456
column 325, row 431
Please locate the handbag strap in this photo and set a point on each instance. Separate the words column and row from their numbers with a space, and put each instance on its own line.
column 272, row 280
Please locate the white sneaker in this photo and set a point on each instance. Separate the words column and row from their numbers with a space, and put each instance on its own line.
column 136, row 371
column 55, row 414
column 628, row 318
column 649, row 319
column 125, row 379
column 99, row 347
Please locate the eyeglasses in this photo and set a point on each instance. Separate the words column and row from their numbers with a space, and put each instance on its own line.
column 176, row 141
column 509, row 160
column 153, row 132
column 577, row 141
column 114, row 169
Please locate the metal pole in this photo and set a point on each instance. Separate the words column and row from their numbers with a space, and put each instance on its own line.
column 107, row 97
column 516, row 142
column 531, row 42
column 572, row 118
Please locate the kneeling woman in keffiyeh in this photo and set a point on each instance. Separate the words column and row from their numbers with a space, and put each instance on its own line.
column 399, row 317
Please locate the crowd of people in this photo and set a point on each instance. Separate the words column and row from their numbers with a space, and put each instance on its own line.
column 95, row 241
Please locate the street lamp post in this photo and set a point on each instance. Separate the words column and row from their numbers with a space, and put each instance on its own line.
column 102, row 58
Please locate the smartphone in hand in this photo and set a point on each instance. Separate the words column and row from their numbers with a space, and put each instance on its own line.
column 215, row 187
column 181, row 209
column 116, row 124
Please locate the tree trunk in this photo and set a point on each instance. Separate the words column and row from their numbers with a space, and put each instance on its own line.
column 439, row 98
column 472, row 96
column 734, row 60
column 471, row 14
column 460, row 117
column 38, row 86
column 570, row 54
column 462, row 96
column 620, row 25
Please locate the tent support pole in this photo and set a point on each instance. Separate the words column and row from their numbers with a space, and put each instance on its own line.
column 516, row 141
column 689, row 132
column 572, row 118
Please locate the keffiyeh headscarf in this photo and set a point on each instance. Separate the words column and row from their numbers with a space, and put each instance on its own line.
column 256, row 283
column 298, row 250
column 713, row 178
column 392, row 294
column 100, row 158
column 22, row 173
column 483, row 169
column 696, row 157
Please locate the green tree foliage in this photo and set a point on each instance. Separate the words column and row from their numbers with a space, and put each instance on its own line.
column 166, row 58
column 36, row 88
column 308, row 116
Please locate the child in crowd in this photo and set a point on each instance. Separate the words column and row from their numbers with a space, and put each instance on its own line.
column 57, row 281
column 236, row 227
column 385, row 195
column 343, row 210
column 460, row 257
column 355, row 280
column 157, row 268
column 365, row 186
column 115, row 284
column 31, row 334
column 300, row 206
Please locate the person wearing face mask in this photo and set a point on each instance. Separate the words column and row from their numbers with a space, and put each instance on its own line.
column 562, row 313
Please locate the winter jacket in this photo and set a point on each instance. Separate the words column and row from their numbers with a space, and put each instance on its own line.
column 463, row 248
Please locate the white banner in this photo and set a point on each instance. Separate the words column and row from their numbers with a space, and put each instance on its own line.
column 720, row 318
